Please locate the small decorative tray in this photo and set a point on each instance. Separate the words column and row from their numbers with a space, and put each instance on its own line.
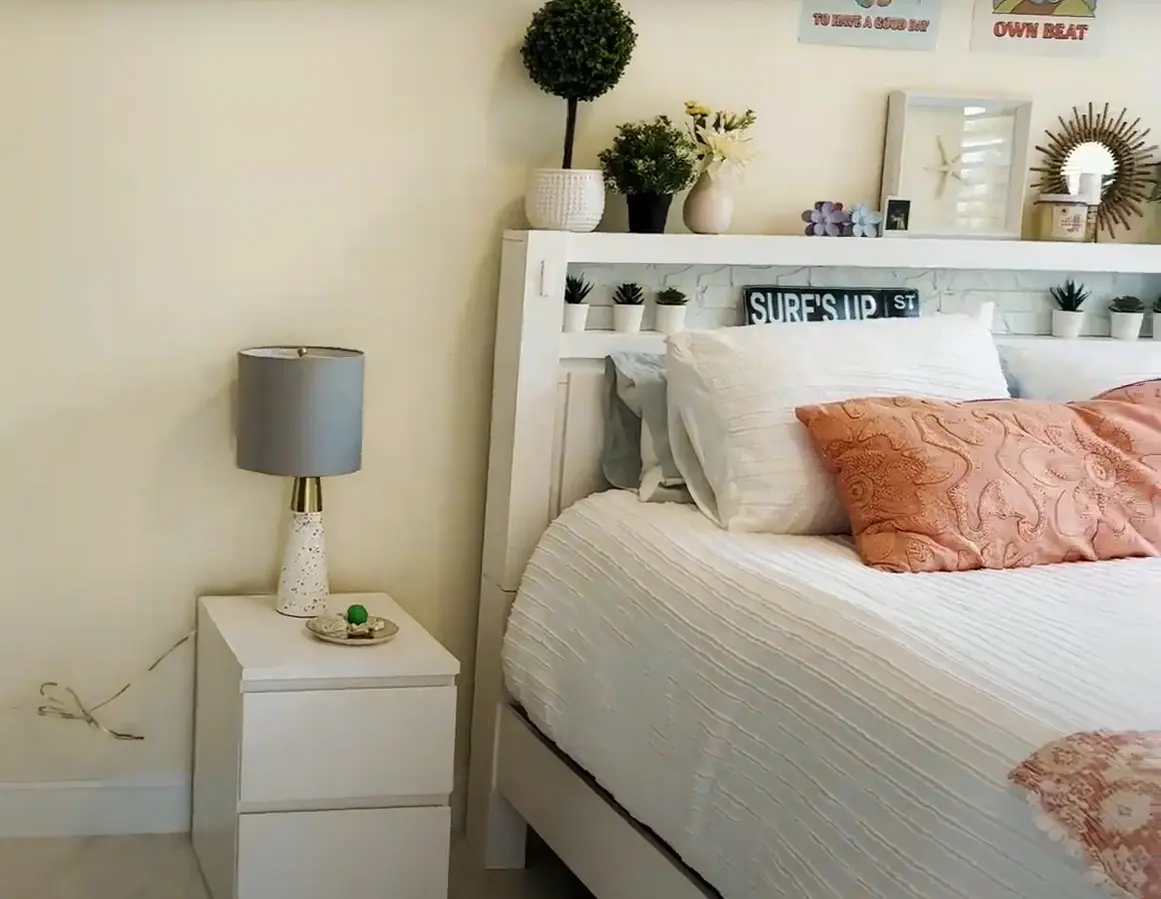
column 337, row 629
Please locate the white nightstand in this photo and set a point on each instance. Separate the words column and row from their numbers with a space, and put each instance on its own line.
column 320, row 770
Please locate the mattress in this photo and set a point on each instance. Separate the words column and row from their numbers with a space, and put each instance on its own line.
column 792, row 723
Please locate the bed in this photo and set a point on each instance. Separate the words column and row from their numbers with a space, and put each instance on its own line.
column 681, row 712
column 791, row 722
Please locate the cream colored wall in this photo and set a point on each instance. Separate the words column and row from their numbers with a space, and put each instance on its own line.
column 181, row 179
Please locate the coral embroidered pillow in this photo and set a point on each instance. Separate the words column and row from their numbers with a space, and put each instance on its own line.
column 940, row 486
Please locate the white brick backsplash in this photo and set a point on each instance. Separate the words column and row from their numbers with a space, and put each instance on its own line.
column 1023, row 304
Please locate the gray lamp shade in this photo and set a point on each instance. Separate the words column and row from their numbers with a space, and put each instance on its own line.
column 300, row 411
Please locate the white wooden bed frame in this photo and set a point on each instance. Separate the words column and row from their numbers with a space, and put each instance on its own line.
column 547, row 414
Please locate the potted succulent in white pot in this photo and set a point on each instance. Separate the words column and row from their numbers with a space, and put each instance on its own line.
column 1126, row 315
column 576, row 50
column 1068, row 317
column 670, row 310
column 1157, row 319
column 576, row 310
column 628, row 308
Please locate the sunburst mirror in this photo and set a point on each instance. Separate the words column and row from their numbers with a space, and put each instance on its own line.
column 1112, row 147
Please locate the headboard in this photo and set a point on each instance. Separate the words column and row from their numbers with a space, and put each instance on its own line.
column 548, row 402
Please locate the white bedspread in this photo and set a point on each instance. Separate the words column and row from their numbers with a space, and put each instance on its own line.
column 795, row 724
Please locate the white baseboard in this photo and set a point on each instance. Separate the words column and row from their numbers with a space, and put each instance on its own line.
column 94, row 808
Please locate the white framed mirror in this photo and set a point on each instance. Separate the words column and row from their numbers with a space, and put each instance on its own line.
column 960, row 161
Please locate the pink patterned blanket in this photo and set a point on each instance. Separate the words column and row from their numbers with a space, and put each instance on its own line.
column 1099, row 793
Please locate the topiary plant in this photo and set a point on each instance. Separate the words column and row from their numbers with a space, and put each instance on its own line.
column 629, row 294
column 578, row 50
column 653, row 157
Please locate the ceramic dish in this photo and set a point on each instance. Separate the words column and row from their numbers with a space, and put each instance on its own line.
column 377, row 630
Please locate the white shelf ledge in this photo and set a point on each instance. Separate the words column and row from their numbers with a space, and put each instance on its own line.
column 849, row 252
column 599, row 344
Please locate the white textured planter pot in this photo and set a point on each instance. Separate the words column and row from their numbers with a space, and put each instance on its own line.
column 709, row 208
column 1126, row 325
column 627, row 319
column 576, row 316
column 1156, row 326
column 670, row 319
column 565, row 199
column 1066, row 324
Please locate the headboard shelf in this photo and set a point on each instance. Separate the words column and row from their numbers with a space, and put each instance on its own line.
column 606, row 248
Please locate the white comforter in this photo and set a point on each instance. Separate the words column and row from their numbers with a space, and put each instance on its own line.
column 795, row 724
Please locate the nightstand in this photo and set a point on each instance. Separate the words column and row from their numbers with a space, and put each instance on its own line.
column 320, row 770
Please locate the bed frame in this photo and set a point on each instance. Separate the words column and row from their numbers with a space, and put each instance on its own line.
column 547, row 431
column 547, row 409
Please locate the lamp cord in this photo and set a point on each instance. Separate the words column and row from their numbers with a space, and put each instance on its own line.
column 61, row 700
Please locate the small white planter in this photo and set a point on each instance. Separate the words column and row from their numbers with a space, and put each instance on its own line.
column 1066, row 324
column 670, row 319
column 1126, row 325
column 565, row 199
column 627, row 319
column 1156, row 326
column 576, row 316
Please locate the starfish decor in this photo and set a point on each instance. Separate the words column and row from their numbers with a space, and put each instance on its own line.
column 949, row 167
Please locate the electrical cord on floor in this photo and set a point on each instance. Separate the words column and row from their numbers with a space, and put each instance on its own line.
column 61, row 701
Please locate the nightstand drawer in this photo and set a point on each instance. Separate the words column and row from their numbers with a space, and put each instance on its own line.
column 324, row 747
column 354, row 854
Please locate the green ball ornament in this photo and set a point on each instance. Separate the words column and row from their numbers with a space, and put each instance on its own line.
column 356, row 615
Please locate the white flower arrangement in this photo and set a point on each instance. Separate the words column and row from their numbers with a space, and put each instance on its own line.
column 720, row 139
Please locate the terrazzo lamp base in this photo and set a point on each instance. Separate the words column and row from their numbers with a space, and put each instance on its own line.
column 302, row 583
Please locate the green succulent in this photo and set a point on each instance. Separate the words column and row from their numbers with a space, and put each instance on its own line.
column 671, row 296
column 576, row 289
column 578, row 50
column 629, row 294
column 1070, row 296
column 1157, row 305
column 1127, row 304
column 651, row 157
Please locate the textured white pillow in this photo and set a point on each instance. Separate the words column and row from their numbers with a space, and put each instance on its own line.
column 1066, row 370
column 747, row 460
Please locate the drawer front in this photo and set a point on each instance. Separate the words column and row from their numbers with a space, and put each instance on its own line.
column 354, row 854
column 347, row 747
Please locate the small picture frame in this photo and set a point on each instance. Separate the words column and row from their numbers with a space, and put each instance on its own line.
column 897, row 217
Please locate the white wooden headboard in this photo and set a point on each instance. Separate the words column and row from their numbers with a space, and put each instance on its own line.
column 548, row 406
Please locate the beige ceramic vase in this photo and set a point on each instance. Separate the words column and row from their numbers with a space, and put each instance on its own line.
column 709, row 208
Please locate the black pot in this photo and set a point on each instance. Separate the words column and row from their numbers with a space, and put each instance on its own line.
column 648, row 212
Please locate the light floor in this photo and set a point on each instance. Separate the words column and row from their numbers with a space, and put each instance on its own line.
column 163, row 867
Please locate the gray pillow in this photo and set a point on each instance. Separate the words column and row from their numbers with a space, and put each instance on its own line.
column 637, row 455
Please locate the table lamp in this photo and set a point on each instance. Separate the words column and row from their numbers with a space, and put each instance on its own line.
column 300, row 415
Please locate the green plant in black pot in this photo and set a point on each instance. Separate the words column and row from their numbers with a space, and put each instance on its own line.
column 649, row 162
column 578, row 50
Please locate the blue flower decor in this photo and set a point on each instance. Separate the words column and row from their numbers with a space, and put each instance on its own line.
column 826, row 219
column 864, row 221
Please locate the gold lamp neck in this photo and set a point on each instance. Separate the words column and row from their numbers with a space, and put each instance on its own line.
column 306, row 495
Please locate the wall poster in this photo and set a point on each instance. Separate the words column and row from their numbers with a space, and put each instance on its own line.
column 1068, row 28
column 883, row 24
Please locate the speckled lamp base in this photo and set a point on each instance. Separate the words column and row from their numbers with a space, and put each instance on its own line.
column 302, row 584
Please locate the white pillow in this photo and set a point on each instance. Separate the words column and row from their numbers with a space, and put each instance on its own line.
column 747, row 460
column 1067, row 370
